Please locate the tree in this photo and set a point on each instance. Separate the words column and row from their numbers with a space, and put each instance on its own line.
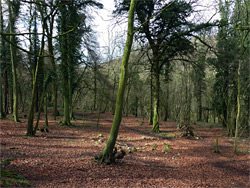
column 30, row 130
column 108, row 154
column 13, row 57
column 49, row 27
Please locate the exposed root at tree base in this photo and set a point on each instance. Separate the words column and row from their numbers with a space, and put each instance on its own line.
column 110, row 158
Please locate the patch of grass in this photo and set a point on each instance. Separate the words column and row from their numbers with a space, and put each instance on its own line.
column 134, row 149
column 154, row 147
column 167, row 134
column 166, row 147
column 99, row 135
column 70, row 141
column 7, row 161
column 12, row 179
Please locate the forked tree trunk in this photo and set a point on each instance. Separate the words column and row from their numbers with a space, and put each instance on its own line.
column 30, row 131
column 108, row 155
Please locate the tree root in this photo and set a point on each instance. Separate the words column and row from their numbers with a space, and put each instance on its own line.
column 110, row 158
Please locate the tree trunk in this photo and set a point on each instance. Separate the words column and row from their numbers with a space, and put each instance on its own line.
column 6, row 92
column 46, row 109
column 108, row 155
column 166, row 106
column 30, row 131
column 2, row 114
column 65, row 69
column 13, row 65
column 136, row 106
column 156, row 91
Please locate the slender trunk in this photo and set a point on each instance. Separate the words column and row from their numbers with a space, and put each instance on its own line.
column 113, row 102
column 99, row 113
column 95, row 86
column 136, row 106
column 166, row 106
column 46, row 109
column 6, row 92
column 238, row 110
column 151, row 99
column 107, row 154
column 127, row 99
column 13, row 65
column 199, row 103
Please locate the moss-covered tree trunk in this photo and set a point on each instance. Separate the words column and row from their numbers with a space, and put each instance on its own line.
column 156, row 91
column 107, row 154
column 13, row 65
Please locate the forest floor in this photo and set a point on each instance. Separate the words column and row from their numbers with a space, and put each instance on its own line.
column 64, row 156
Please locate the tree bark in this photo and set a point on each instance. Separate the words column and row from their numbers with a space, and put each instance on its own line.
column 108, row 155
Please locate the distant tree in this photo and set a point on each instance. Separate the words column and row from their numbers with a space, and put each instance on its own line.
column 70, row 47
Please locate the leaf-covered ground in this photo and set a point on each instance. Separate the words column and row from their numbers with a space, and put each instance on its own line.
column 64, row 156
